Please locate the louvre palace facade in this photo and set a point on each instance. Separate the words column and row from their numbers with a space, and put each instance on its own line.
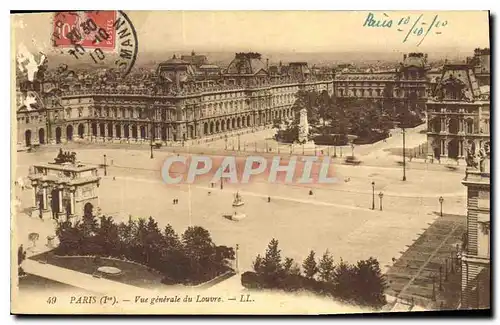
column 185, row 99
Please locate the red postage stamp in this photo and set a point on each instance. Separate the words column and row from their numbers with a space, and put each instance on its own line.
column 89, row 29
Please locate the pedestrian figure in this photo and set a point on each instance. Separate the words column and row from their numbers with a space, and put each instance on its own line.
column 173, row 201
column 310, row 192
column 114, row 178
column 268, row 199
column 209, row 192
column 176, row 201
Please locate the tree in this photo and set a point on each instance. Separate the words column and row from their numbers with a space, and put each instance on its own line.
column 369, row 283
column 257, row 264
column 295, row 269
column 89, row 225
column 199, row 248
column 172, row 241
column 324, row 106
column 326, row 268
column 287, row 265
column 107, row 237
column 342, row 280
column 21, row 256
column 309, row 265
column 271, row 263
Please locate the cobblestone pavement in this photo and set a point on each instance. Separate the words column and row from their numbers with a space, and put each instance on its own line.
column 412, row 275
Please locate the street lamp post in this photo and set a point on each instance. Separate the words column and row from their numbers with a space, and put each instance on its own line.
column 105, row 172
column 404, row 155
column 236, row 257
column 441, row 203
column 380, row 195
column 373, row 195
column 151, row 133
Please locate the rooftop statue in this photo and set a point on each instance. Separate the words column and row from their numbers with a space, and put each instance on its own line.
column 65, row 157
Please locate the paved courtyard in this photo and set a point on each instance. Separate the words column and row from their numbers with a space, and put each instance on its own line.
column 337, row 217
column 411, row 277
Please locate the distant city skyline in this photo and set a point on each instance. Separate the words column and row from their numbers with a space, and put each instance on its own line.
column 283, row 31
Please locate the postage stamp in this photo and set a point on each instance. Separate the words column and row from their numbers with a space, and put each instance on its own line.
column 90, row 29
column 97, row 35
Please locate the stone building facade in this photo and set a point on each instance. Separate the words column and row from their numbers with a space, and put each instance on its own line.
column 407, row 85
column 458, row 115
column 476, row 283
column 181, row 104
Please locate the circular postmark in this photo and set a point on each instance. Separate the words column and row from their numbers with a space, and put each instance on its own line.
column 101, row 37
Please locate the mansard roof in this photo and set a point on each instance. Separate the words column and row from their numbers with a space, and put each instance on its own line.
column 246, row 63
column 460, row 77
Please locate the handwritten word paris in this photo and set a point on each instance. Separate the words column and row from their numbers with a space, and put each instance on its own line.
column 413, row 27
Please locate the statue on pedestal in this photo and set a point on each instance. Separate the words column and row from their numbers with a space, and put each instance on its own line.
column 471, row 157
column 484, row 158
column 303, row 126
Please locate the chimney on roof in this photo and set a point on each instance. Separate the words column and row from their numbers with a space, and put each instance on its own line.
column 267, row 64
column 192, row 53
column 173, row 57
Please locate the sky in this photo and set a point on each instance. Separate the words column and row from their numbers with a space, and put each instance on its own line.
column 299, row 31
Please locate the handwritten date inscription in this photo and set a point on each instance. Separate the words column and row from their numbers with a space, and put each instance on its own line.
column 414, row 27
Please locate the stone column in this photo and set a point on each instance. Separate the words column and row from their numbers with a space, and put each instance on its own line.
column 60, row 200
column 44, row 198
column 34, row 196
column 157, row 132
column 72, row 202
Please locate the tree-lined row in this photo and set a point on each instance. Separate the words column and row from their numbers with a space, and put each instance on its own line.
column 193, row 258
column 368, row 119
column 361, row 283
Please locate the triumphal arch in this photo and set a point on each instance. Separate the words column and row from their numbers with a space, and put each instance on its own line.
column 65, row 189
